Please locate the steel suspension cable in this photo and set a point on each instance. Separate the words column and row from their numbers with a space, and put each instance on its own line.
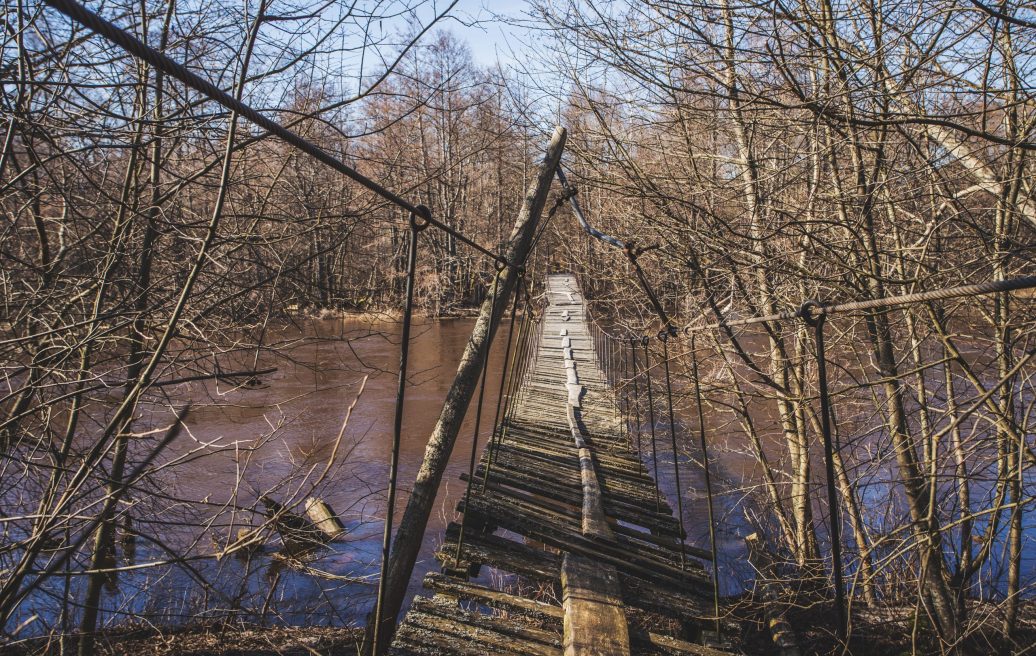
column 137, row 48
column 631, row 250
column 502, row 392
column 397, row 421
column 478, row 419
column 708, row 481
column 946, row 293
column 664, row 338
column 542, row 229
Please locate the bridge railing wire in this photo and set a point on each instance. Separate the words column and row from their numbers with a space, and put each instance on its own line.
column 813, row 313
column 626, row 359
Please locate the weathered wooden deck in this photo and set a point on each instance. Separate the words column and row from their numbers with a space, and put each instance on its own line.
column 582, row 551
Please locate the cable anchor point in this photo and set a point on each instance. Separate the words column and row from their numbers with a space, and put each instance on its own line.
column 807, row 309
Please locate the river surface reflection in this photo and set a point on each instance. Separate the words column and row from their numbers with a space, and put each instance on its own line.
column 278, row 437
column 297, row 413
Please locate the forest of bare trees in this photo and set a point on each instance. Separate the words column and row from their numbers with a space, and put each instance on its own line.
column 793, row 151
column 773, row 152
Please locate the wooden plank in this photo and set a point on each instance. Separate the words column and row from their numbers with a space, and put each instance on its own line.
column 614, row 482
column 493, row 598
column 498, row 552
column 622, row 473
column 693, row 606
column 651, row 564
column 595, row 524
column 612, row 459
column 537, row 637
column 537, row 463
column 502, row 478
column 568, row 517
column 574, row 393
column 432, row 623
column 663, row 644
column 595, row 620
column 570, row 508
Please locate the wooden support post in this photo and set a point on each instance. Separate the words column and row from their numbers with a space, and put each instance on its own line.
column 440, row 445
column 595, row 622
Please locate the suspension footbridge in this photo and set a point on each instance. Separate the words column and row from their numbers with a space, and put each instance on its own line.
column 560, row 500
column 565, row 543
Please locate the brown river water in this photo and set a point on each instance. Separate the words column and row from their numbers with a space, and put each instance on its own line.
column 306, row 400
column 277, row 438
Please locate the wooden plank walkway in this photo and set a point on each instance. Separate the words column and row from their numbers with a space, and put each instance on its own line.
column 568, row 523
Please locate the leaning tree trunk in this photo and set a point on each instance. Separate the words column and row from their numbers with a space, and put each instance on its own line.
column 437, row 454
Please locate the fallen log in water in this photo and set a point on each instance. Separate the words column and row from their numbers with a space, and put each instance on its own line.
column 298, row 534
column 324, row 518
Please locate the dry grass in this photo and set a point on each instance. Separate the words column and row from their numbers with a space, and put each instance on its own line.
column 223, row 640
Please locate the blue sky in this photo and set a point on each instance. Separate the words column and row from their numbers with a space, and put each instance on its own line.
column 490, row 40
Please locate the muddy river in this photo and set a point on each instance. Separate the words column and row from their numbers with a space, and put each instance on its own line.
column 277, row 438
column 283, row 437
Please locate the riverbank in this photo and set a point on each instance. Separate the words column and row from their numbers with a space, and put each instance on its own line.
column 382, row 315
column 205, row 640
column 876, row 632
